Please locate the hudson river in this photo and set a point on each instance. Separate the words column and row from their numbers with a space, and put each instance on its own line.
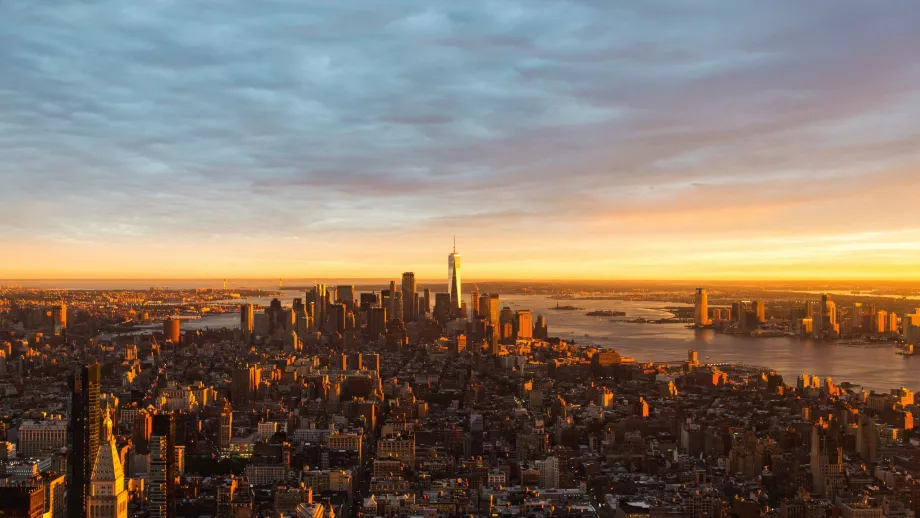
column 872, row 366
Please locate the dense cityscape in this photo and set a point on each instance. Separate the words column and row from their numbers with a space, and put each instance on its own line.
column 459, row 259
column 405, row 401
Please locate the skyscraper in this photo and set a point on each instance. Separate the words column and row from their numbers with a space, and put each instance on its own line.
column 829, row 325
column 225, row 434
column 171, row 329
column 59, row 315
column 410, row 305
column 474, row 304
column 489, row 306
column 163, row 472
column 701, row 308
column 108, row 497
column 244, row 385
column 523, row 320
column 427, row 303
column 84, row 427
column 246, row 321
column 454, row 285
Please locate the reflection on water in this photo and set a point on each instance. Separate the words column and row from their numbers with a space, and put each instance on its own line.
column 873, row 366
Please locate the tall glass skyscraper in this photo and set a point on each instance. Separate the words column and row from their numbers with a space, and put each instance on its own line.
column 453, row 278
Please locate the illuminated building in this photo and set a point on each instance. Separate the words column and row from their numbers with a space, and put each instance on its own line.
column 524, row 324
column 171, row 330
column 59, row 316
column 701, row 308
column 108, row 497
column 454, row 285
column 410, row 304
column 42, row 438
column 760, row 312
column 489, row 307
column 880, row 323
column 828, row 320
column 540, row 331
column 474, row 304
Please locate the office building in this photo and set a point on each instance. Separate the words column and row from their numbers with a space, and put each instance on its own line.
column 171, row 328
column 523, row 319
column 42, row 438
column 474, row 304
column 760, row 311
column 346, row 295
column 489, row 307
column 426, row 301
column 22, row 501
column 454, row 285
column 225, row 431
column 245, row 385
column 85, row 431
column 162, row 489
column 410, row 304
column 59, row 318
column 701, row 309
column 246, row 321
column 828, row 320
column 108, row 497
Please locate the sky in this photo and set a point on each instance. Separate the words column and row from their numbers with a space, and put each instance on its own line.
column 555, row 138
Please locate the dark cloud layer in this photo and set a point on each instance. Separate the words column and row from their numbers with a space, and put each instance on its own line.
column 129, row 120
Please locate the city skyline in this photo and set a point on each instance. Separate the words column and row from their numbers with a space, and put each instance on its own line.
column 650, row 141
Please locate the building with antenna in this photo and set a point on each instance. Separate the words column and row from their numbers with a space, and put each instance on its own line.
column 454, row 285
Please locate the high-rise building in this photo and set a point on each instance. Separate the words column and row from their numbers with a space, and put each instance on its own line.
column 454, row 285
column 84, row 429
column 369, row 300
column 829, row 325
column 701, row 308
column 540, row 330
column 225, row 434
column 246, row 321
column 320, row 298
column 442, row 307
column 163, row 470
column 489, row 306
column 892, row 322
column 171, row 328
column 377, row 322
column 107, row 497
column 880, row 325
column 760, row 311
column 141, row 429
column 410, row 305
column 524, row 324
column 474, row 304
column 394, row 308
column 427, row 302
column 59, row 315
column 245, row 385
column 346, row 295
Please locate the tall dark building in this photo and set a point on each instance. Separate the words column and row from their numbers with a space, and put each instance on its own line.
column 369, row 300
column 427, row 301
column 163, row 469
column 84, row 429
column 410, row 304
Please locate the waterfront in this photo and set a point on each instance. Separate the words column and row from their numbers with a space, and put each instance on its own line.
column 874, row 366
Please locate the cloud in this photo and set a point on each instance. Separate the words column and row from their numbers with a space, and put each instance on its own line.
column 125, row 123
